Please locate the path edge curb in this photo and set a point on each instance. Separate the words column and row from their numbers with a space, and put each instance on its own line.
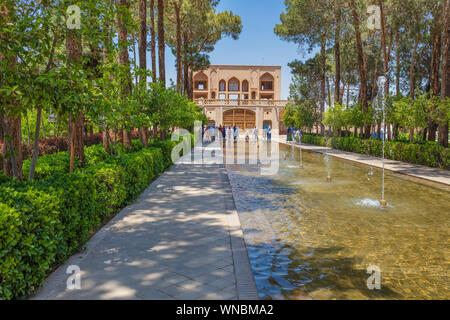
column 245, row 281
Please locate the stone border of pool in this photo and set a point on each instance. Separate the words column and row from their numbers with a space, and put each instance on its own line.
column 245, row 281
column 434, row 177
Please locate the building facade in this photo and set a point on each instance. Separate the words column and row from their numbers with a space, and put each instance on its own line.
column 245, row 96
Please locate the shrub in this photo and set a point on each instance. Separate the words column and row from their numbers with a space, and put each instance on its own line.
column 78, row 207
column 94, row 155
column 110, row 190
column 30, row 231
column 428, row 153
column 60, row 162
column 48, row 165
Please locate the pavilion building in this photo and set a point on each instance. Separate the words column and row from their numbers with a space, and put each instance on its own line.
column 245, row 96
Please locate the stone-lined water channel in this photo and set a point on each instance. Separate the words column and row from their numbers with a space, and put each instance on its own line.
column 308, row 238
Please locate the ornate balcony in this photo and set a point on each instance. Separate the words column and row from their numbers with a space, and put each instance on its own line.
column 245, row 103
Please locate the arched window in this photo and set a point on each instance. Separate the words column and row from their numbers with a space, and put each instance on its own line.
column 266, row 82
column 201, row 81
column 253, row 95
column 245, row 86
column 213, row 95
column 222, row 85
column 233, row 84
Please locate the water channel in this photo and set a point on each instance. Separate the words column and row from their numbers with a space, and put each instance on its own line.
column 312, row 239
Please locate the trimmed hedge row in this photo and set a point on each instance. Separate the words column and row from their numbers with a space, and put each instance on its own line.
column 44, row 221
column 429, row 153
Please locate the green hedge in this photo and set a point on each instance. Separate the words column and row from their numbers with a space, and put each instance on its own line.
column 428, row 153
column 44, row 221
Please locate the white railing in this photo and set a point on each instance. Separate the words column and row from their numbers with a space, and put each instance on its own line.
column 233, row 102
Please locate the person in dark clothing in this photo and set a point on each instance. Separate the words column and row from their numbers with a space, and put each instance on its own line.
column 223, row 133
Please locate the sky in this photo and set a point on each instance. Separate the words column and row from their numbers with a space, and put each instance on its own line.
column 257, row 44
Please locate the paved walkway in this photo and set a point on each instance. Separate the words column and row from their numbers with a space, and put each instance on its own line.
column 180, row 240
column 434, row 175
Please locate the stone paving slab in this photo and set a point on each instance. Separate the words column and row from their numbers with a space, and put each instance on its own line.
column 180, row 240
column 434, row 175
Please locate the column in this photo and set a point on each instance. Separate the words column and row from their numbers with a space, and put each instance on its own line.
column 259, row 120
column 275, row 122
column 220, row 116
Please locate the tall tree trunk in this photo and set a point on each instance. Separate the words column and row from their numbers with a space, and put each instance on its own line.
column 106, row 50
column 161, row 42
column 185, row 66
column 435, row 68
column 74, row 53
column 375, row 76
column 329, row 92
column 348, row 94
column 134, row 62
column 412, row 81
column 2, row 136
column 142, row 48
column 412, row 78
column 11, row 124
column 322, row 84
column 337, row 55
column 124, row 60
column 397, row 56
column 105, row 138
column 12, row 150
column 143, row 56
column 361, row 65
column 153, row 39
column 445, row 83
column 177, row 7
column 190, row 84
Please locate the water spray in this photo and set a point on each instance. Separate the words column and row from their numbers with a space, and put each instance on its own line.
column 381, row 103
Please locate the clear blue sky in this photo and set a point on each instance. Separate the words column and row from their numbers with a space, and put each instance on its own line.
column 257, row 44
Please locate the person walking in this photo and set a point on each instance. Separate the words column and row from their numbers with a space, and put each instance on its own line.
column 288, row 135
column 224, row 133
column 255, row 134
column 207, row 135
column 213, row 133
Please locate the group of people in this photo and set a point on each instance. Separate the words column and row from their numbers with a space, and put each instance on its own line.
column 229, row 133
column 294, row 134
column 210, row 133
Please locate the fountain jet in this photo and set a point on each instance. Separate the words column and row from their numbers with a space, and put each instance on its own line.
column 381, row 106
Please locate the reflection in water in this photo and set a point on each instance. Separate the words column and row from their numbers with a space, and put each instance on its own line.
column 311, row 239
